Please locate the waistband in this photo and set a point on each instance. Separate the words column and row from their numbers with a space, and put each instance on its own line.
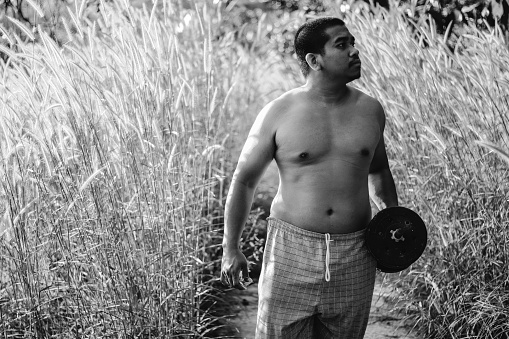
column 286, row 226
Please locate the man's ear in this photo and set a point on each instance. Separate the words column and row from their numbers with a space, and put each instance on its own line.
column 313, row 61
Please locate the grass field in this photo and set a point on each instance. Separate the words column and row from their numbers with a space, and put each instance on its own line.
column 448, row 140
column 114, row 149
column 117, row 148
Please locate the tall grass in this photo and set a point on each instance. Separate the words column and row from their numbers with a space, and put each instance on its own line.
column 448, row 140
column 114, row 150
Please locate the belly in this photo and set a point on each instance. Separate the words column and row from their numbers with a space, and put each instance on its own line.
column 323, row 201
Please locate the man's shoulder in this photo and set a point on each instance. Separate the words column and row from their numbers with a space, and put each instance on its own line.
column 365, row 98
column 282, row 104
column 273, row 113
column 288, row 98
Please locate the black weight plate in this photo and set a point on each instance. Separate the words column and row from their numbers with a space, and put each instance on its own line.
column 396, row 237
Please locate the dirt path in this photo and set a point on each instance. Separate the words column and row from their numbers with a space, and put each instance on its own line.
column 383, row 322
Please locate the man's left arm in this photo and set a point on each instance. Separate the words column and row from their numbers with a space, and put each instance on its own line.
column 382, row 189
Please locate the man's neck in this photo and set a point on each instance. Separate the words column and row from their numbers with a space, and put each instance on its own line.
column 326, row 92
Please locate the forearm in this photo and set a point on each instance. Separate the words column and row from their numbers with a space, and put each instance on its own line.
column 238, row 205
column 382, row 189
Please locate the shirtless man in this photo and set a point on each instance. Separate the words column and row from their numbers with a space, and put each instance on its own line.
column 327, row 139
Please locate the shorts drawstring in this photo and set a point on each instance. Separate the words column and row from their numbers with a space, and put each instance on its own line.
column 327, row 256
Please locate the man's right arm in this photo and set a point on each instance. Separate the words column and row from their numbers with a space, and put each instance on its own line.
column 256, row 155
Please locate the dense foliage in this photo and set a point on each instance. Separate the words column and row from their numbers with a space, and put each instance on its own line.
column 58, row 17
column 114, row 149
column 444, row 12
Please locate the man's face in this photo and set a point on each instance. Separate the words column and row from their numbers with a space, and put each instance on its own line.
column 340, row 57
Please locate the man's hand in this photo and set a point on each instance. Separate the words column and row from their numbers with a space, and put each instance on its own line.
column 234, row 271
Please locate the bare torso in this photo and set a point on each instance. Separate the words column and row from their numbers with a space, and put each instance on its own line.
column 327, row 140
column 323, row 154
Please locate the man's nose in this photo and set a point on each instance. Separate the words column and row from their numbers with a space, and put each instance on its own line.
column 354, row 51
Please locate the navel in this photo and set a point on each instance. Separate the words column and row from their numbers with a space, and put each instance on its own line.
column 330, row 211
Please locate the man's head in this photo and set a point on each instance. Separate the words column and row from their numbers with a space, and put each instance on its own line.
column 311, row 38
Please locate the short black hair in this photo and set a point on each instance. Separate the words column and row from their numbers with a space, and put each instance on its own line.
column 311, row 38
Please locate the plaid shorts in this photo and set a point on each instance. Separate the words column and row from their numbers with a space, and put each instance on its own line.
column 314, row 285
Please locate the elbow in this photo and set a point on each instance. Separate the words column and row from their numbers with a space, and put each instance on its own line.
column 248, row 182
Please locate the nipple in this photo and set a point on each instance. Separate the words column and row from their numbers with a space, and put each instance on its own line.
column 365, row 151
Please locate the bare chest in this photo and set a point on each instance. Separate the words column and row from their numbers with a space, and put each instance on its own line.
column 311, row 137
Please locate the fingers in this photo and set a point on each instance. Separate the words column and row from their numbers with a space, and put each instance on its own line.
column 228, row 276
column 234, row 270
column 236, row 278
column 225, row 280
column 246, row 280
